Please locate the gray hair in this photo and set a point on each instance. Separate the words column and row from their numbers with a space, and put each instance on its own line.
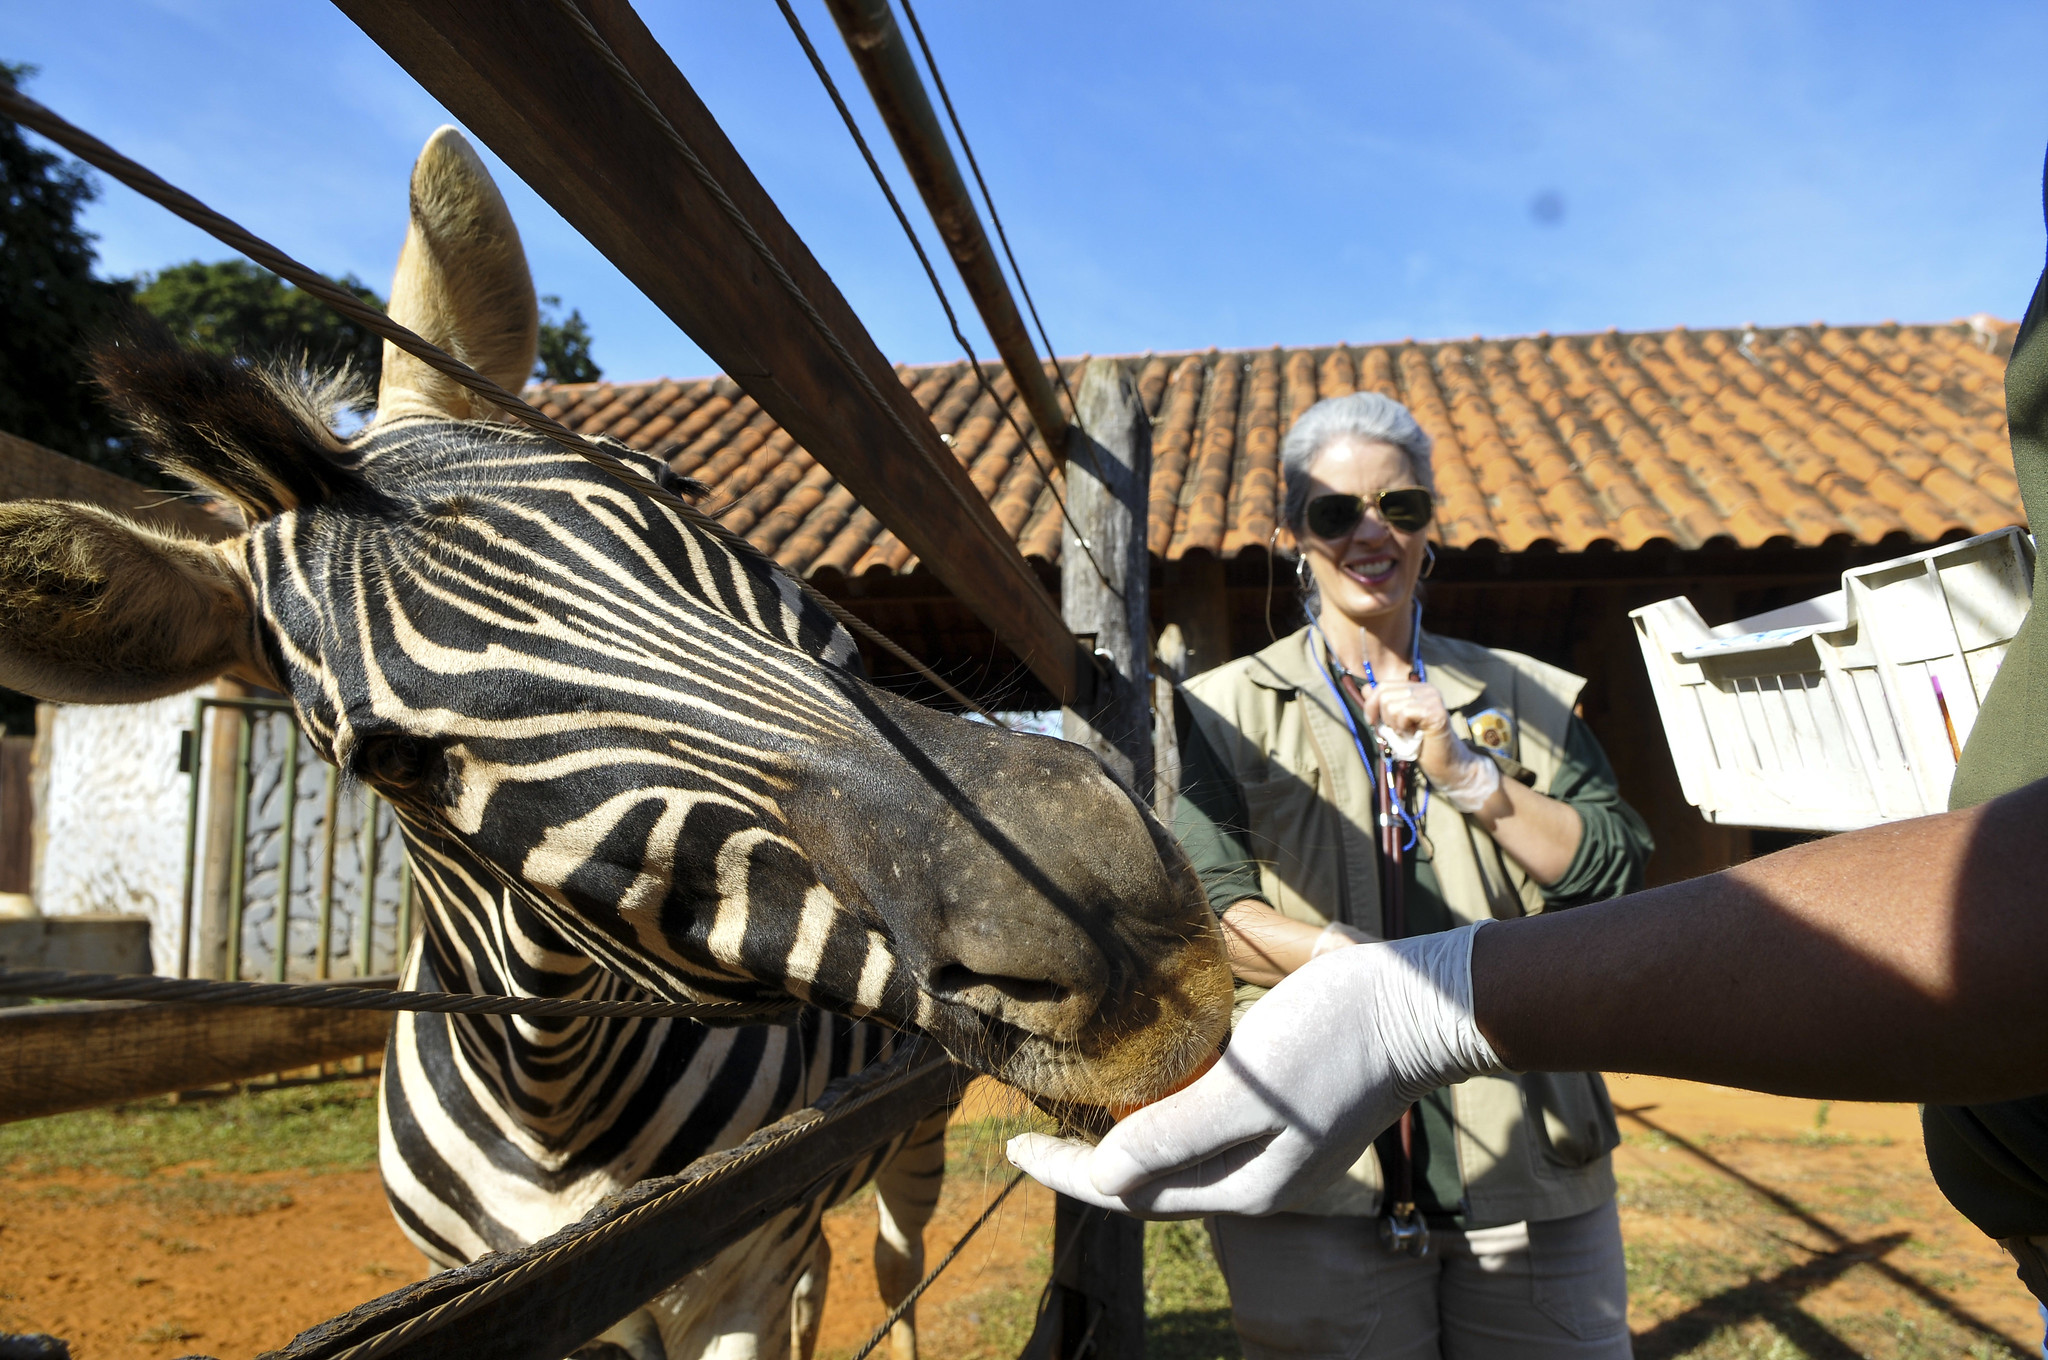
column 1362, row 415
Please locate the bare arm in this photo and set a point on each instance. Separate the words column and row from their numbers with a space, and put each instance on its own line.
column 1536, row 831
column 1899, row 963
column 1263, row 945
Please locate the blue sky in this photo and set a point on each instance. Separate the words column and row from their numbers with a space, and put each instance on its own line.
column 1181, row 175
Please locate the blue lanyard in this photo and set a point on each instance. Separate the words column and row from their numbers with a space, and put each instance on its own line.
column 1415, row 666
column 1351, row 724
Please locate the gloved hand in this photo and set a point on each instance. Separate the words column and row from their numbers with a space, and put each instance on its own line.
column 1414, row 710
column 1318, row 1068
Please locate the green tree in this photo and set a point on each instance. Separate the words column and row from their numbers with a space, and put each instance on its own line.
column 53, row 306
column 236, row 308
column 564, row 346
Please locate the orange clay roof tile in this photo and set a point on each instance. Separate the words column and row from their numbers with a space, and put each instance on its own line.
column 1803, row 434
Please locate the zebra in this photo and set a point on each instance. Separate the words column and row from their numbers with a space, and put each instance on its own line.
column 629, row 756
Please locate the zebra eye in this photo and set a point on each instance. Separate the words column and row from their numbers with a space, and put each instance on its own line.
column 394, row 762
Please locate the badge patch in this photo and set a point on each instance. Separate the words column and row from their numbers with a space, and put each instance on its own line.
column 1493, row 730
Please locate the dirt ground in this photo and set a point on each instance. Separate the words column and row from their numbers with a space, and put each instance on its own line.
column 1756, row 1227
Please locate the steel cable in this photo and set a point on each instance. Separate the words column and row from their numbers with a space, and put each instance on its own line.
column 917, row 1291
column 753, row 238
column 946, row 305
column 320, row 996
column 987, row 198
column 864, row 1089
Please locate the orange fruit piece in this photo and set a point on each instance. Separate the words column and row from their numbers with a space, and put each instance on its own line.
column 1121, row 1112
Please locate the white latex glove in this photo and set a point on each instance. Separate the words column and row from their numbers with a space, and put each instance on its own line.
column 1337, row 935
column 1321, row 1065
column 1416, row 712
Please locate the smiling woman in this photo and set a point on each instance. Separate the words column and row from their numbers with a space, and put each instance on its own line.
column 1361, row 779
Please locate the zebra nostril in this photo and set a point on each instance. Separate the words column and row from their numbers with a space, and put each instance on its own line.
column 958, row 982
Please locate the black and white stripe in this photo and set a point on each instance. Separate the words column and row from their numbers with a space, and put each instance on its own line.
column 509, row 563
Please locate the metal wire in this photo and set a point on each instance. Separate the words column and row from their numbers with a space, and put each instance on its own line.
column 945, row 304
column 917, row 1292
column 862, row 1090
column 77, row 986
column 972, row 164
column 30, row 114
column 767, row 256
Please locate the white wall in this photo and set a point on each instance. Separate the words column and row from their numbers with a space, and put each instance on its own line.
column 113, row 814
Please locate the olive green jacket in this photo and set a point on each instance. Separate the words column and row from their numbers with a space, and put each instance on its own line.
column 1529, row 1147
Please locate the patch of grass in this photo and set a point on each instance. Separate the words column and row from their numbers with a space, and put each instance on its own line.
column 1690, row 1272
column 329, row 1127
column 174, row 1246
column 1690, row 1196
column 196, row 1195
column 1805, row 1138
column 1000, row 1321
column 976, row 1148
column 1187, row 1305
column 1926, row 1335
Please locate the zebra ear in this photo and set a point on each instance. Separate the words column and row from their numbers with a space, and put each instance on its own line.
column 462, row 282
column 97, row 609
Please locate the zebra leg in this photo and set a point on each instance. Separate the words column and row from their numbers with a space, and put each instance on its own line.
column 807, row 1300
column 740, row 1304
column 637, row 1336
column 906, row 1195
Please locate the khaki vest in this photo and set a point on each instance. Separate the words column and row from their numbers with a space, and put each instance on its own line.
column 1529, row 1147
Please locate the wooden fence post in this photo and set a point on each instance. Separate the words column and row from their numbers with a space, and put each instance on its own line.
column 221, row 768
column 1097, row 1300
column 1104, row 571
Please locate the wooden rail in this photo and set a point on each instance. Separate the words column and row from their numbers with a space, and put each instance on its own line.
column 526, row 80
column 30, row 472
column 78, row 1054
column 543, row 1301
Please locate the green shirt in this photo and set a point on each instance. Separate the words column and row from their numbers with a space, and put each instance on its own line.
column 1213, row 825
column 1992, row 1160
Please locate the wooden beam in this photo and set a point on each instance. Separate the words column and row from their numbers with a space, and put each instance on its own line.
column 1105, row 572
column 1097, row 1306
column 528, row 82
column 546, row 1300
column 1098, row 1295
column 883, row 57
column 75, row 1055
column 30, row 472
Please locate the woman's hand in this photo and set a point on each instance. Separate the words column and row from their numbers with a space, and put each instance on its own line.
column 1539, row 833
column 1416, row 709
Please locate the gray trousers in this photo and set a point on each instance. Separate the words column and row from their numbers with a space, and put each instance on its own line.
column 1312, row 1287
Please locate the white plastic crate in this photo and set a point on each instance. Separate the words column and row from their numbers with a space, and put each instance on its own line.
column 1845, row 710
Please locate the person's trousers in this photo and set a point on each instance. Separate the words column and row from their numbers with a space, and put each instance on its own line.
column 1307, row 1285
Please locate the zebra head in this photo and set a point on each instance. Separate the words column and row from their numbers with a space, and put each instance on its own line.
column 595, row 708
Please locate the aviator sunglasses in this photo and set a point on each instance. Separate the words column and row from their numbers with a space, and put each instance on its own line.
column 1333, row 516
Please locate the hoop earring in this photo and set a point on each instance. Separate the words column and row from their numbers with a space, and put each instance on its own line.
column 1301, row 572
column 1428, row 559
